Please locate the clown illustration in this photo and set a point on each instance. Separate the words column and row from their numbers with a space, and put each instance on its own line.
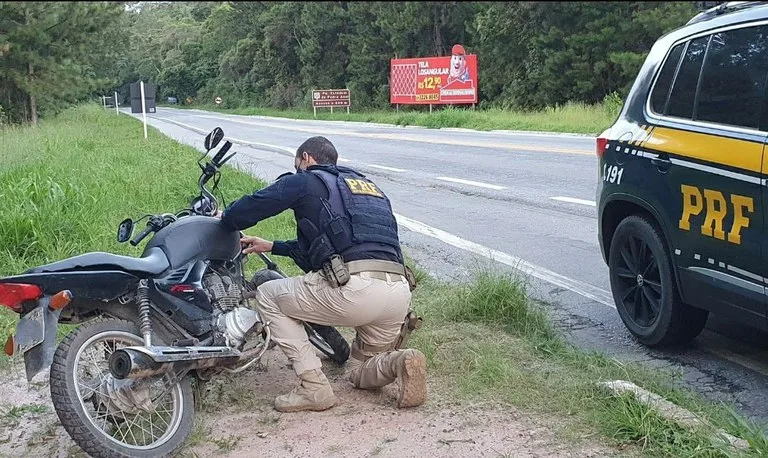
column 458, row 70
column 459, row 87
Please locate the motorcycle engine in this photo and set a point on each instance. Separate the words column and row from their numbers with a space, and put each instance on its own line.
column 233, row 322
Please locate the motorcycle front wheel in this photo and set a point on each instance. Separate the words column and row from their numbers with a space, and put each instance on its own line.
column 114, row 418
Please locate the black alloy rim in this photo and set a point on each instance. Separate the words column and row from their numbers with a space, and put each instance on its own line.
column 637, row 271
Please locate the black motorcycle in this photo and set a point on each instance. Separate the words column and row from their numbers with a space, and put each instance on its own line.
column 121, row 381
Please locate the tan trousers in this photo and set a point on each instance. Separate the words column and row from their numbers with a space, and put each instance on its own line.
column 375, row 308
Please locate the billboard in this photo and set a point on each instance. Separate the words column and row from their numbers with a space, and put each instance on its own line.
column 330, row 98
column 449, row 80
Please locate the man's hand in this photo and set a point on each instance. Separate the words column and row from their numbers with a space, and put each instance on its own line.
column 255, row 245
column 218, row 214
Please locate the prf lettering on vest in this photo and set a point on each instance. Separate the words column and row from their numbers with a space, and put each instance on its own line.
column 363, row 187
column 716, row 208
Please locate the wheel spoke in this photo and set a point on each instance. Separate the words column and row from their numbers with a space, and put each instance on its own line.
column 628, row 292
column 625, row 273
column 652, row 304
column 650, row 266
column 641, row 255
column 639, row 306
column 628, row 259
column 654, row 285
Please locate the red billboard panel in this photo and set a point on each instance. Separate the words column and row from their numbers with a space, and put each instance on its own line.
column 331, row 98
column 434, row 80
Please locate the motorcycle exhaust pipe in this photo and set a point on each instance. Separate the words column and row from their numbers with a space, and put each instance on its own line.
column 140, row 362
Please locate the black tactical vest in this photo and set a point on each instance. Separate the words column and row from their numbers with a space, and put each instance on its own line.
column 357, row 217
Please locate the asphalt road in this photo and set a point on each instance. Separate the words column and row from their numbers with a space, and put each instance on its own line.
column 516, row 201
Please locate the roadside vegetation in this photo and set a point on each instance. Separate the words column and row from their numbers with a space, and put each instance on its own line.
column 571, row 117
column 66, row 188
column 271, row 55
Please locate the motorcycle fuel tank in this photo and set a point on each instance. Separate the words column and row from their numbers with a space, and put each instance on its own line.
column 196, row 238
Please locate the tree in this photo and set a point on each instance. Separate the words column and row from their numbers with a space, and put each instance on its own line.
column 54, row 54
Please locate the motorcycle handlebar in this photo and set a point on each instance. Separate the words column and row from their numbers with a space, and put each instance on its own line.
column 136, row 240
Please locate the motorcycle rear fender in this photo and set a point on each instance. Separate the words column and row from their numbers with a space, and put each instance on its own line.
column 35, row 337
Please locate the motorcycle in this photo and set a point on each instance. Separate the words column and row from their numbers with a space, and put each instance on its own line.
column 147, row 327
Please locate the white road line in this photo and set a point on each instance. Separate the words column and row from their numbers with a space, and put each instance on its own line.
column 574, row 200
column 343, row 160
column 384, row 167
column 590, row 292
column 472, row 183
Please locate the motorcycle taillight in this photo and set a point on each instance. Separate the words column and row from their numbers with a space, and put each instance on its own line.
column 13, row 294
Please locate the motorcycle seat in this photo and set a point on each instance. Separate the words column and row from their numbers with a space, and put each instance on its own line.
column 152, row 264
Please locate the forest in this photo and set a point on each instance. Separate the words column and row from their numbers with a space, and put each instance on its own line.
column 271, row 54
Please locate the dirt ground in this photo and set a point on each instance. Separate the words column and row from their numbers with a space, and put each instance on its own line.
column 236, row 419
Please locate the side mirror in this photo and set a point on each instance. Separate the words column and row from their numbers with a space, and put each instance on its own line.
column 213, row 138
column 125, row 230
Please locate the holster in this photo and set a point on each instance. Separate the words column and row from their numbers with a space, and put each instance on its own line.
column 410, row 277
column 411, row 323
column 335, row 271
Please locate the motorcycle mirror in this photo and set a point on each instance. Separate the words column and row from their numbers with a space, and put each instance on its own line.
column 125, row 230
column 214, row 138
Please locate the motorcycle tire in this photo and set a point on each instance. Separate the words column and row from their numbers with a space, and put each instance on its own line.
column 71, row 404
column 327, row 339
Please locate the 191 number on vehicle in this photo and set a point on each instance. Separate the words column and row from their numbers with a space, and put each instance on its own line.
column 612, row 173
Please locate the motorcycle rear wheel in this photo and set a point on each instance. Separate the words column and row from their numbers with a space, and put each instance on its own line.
column 93, row 417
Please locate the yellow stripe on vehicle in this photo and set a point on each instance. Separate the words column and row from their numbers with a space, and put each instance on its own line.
column 742, row 154
column 638, row 136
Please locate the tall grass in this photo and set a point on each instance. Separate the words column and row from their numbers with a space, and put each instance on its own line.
column 571, row 117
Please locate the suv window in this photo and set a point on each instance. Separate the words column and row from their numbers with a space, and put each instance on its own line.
column 733, row 80
column 684, row 91
column 661, row 89
column 730, row 89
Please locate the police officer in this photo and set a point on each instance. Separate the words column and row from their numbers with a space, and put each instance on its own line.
column 347, row 244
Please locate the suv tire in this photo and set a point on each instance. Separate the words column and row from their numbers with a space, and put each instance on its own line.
column 644, row 288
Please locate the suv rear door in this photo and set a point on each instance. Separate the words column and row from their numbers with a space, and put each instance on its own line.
column 707, row 139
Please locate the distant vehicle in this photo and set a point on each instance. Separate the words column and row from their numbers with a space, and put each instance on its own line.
column 172, row 100
column 682, row 180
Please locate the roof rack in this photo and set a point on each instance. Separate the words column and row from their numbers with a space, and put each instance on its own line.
column 722, row 8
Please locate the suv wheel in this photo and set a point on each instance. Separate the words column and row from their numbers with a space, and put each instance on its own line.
column 644, row 289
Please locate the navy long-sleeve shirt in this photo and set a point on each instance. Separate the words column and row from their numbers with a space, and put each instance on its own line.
column 300, row 192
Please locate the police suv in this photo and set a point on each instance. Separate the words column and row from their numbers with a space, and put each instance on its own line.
column 683, row 174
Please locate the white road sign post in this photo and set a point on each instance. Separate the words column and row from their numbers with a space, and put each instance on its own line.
column 144, row 109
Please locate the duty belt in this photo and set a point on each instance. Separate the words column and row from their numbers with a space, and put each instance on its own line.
column 377, row 268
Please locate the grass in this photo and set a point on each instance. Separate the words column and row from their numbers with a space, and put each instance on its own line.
column 568, row 118
column 485, row 340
